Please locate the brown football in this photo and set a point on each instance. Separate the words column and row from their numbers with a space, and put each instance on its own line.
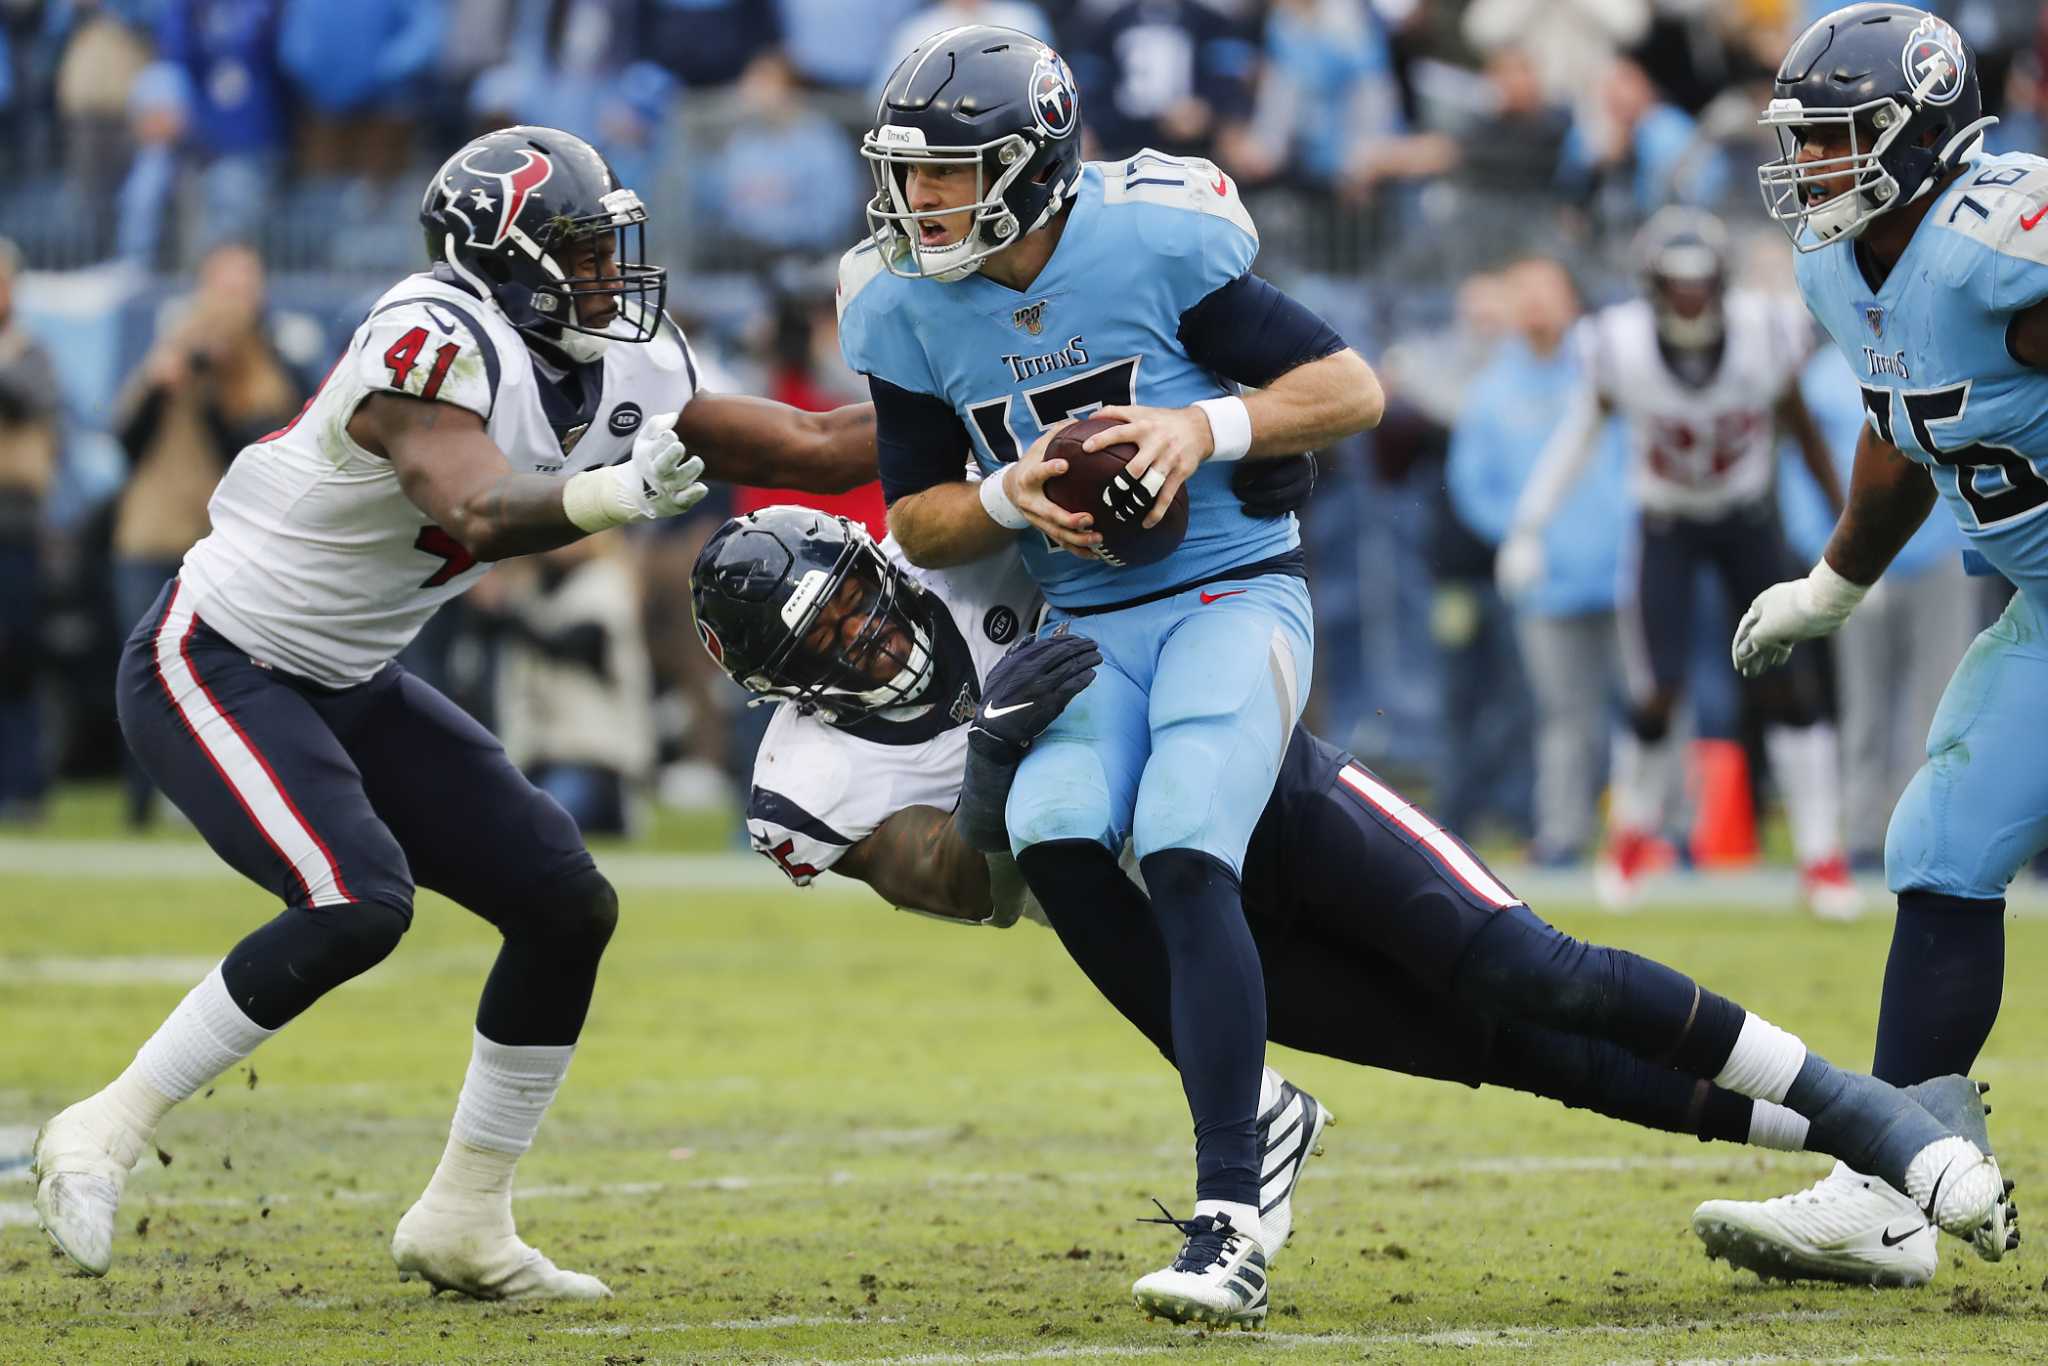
column 1080, row 489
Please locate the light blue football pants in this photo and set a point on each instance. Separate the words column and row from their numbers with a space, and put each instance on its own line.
column 1177, row 742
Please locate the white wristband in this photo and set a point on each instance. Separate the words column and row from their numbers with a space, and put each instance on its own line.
column 995, row 501
column 1831, row 595
column 595, row 501
column 1230, row 425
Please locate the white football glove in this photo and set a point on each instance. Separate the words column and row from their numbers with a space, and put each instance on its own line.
column 1519, row 566
column 661, row 480
column 1786, row 613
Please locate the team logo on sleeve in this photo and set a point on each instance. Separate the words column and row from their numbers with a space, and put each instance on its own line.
column 1934, row 53
column 1055, row 104
column 1000, row 624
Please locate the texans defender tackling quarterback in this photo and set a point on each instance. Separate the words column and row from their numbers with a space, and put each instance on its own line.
column 907, row 707
column 1006, row 288
column 526, row 391
column 1926, row 261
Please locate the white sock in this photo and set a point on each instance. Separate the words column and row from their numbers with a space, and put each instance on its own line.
column 507, row 1091
column 205, row 1036
column 1806, row 761
column 1243, row 1218
column 1773, row 1126
column 1763, row 1063
column 1642, row 782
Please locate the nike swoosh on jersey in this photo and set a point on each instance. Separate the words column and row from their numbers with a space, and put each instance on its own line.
column 1221, row 186
column 1208, row 598
column 993, row 712
column 2027, row 224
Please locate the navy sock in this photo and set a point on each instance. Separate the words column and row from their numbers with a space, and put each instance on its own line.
column 1872, row 1126
column 1942, row 986
column 1592, row 1074
column 1105, row 924
column 1219, row 1015
column 1521, row 967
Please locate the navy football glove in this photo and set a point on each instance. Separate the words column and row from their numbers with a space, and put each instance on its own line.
column 1027, row 689
column 1274, row 488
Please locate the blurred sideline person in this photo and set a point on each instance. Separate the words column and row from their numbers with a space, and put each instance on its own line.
column 526, row 391
column 210, row 384
column 1706, row 378
column 1921, row 256
column 1565, row 622
column 28, row 465
column 574, row 686
column 1385, row 940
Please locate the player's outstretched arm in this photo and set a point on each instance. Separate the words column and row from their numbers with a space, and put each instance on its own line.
column 917, row 861
column 757, row 441
column 450, row 468
column 1889, row 497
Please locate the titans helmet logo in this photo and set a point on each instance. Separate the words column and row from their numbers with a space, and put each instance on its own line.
column 1055, row 104
column 713, row 646
column 1934, row 55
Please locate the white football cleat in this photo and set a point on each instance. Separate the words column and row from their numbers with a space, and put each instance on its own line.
column 81, row 1162
column 473, row 1250
column 1220, row 1276
column 1845, row 1227
column 1290, row 1133
column 1959, row 1104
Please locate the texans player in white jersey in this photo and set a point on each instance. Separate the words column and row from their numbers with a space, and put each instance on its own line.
column 1925, row 260
column 905, row 704
column 525, row 392
column 1707, row 379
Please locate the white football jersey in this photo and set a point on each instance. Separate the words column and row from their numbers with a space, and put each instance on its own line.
column 820, row 789
column 318, row 564
column 1699, row 451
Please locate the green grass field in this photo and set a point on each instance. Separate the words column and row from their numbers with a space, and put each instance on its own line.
column 804, row 1128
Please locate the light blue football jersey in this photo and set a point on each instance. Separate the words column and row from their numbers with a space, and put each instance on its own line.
column 1928, row 348
column 1146, row 239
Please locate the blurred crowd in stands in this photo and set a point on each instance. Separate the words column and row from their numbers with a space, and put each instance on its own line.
column 200, row 196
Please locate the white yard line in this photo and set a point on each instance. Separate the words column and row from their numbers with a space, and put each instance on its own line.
column 1758, row 890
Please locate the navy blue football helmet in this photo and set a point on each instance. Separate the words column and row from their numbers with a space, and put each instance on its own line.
column 984, row 97
column 502, row 214
column 1891, row 92
column 1682, row 253
column 802, row 606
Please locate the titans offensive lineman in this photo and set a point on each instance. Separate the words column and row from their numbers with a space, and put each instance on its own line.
column 1707, row 378
column 989, row 233
column 523, row 393
column 901, row 697
column 1927, row 263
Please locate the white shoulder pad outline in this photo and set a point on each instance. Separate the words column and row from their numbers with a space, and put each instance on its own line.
column 432, row 348
column 1195, row 183
column 857, row 270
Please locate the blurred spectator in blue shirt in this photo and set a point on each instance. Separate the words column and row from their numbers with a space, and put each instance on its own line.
column 159, row 108
column 1565, row 625
column 1172, row 74
column 783, row 181
column 1635, row 151
column 236, row 120
column 834, row 44
column 709, row 42
column 360, row 69
column 1328, row 92
column 28, row 464
column 1893, row 657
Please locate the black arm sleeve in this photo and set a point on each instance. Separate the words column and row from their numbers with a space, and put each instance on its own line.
column 1250, row 332
column 920, row 441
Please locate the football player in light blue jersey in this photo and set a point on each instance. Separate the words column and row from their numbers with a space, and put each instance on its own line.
column 1927, row 262
column 1006, row 288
